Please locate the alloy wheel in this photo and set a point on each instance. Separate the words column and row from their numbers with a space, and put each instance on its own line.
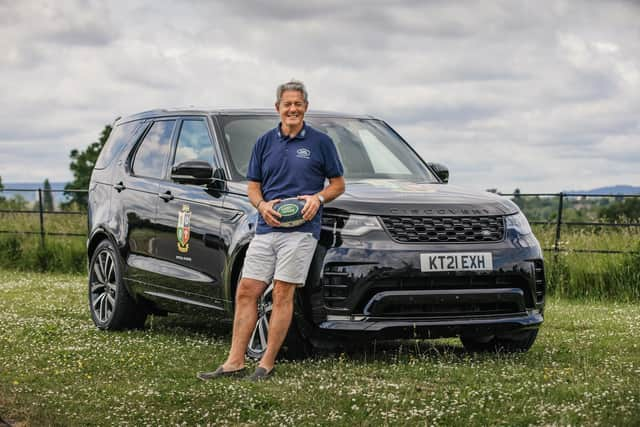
column 258, row 341
column 103, row 286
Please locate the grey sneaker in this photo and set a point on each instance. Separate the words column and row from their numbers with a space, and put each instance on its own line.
column 261, row 374
column 220, row 373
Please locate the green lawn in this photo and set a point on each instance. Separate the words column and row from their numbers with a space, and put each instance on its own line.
column 57, row 369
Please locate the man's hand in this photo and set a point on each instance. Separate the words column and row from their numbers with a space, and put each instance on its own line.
column 268, row 213
column 311, row 206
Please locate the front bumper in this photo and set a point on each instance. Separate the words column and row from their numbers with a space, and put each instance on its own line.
column 375, row 288
column 368, row 328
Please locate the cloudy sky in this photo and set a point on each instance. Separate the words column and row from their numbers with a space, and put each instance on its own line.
column 543, row 96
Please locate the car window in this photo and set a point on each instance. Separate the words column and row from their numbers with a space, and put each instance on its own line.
column 118, row 138
column 240, row 135
column 194, row 143
column 368, row 149
column 154, row 150
column 383, row 160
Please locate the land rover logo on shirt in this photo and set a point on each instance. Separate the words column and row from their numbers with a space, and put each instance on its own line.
column 303, row 153
column 183, row 231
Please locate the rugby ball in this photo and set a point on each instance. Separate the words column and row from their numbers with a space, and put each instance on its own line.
column 291, row 211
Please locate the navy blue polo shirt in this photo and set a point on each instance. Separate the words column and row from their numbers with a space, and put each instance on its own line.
column 290, row 167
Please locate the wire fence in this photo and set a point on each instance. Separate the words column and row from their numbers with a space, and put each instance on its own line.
column 556, row 221
column 41, row 212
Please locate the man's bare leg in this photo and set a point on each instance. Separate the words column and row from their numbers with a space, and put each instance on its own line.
column 244, row 321
column 283, row 294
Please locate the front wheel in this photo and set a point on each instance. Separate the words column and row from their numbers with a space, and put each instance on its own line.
column 517, row 342
column 110, row 304
column 295, row 345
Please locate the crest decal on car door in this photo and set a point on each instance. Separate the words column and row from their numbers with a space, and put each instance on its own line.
column 183, row 230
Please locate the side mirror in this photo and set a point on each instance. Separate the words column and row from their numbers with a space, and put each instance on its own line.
column 440, row 170
column 192, row 172
column 218, row 180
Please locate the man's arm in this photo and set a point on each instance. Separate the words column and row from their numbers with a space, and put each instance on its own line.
column 265, row 208
column 330, row 192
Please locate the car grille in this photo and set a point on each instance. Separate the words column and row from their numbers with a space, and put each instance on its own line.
column 410, row 307
column 341, row 291
column 435, row 308
column 414, row 229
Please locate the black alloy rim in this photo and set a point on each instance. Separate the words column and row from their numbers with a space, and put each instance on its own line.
column 102, row 286
column 259, row 337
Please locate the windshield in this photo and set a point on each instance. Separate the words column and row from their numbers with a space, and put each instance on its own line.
column 368, row 148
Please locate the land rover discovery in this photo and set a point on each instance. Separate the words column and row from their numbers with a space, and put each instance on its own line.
column 402, row 254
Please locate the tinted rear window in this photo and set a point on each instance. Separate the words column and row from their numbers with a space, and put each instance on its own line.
column 153, row 153
column 119, row 137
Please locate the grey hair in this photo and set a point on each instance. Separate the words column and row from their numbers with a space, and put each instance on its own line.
column 292, row 85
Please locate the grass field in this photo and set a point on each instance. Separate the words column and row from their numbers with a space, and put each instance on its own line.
column 593, row 276
column 57, row 369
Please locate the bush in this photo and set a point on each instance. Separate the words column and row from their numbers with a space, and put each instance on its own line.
column 25, row 253
column 10, row 251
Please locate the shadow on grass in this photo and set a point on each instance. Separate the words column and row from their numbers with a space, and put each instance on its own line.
column 189, row 325
column 388, row 351
column 394, row 350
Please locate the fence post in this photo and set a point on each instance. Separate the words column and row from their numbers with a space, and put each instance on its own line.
column 41, row 217
column 558, row 223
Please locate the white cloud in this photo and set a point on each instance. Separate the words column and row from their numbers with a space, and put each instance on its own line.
column 507, row 94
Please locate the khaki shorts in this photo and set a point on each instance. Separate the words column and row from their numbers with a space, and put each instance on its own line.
column 280, row 256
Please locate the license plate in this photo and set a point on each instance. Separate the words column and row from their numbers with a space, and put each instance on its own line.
column 468, row 261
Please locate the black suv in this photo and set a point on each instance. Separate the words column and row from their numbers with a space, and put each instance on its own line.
column 401, row 254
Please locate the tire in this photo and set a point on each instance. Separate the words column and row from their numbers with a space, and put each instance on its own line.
column 517, row 342
column 110, row 304
column 295, row 346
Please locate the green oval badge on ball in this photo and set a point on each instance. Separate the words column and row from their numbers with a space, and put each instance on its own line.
column 289, row 209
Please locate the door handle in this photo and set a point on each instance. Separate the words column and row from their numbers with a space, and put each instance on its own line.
column 119, row 186
column 166, row 196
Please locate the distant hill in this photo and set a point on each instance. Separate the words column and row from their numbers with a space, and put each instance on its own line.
column 615, row 189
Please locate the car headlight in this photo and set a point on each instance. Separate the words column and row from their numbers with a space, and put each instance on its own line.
column 518, row 223
column 353, row 225
column 358, row 225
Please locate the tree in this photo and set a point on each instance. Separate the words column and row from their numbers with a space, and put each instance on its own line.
column 82, row 163
column 626, row 211
column 15, row 203
column 47, row 196
column 517, row 199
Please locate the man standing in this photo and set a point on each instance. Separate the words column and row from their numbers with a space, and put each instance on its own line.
column 291, row 160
